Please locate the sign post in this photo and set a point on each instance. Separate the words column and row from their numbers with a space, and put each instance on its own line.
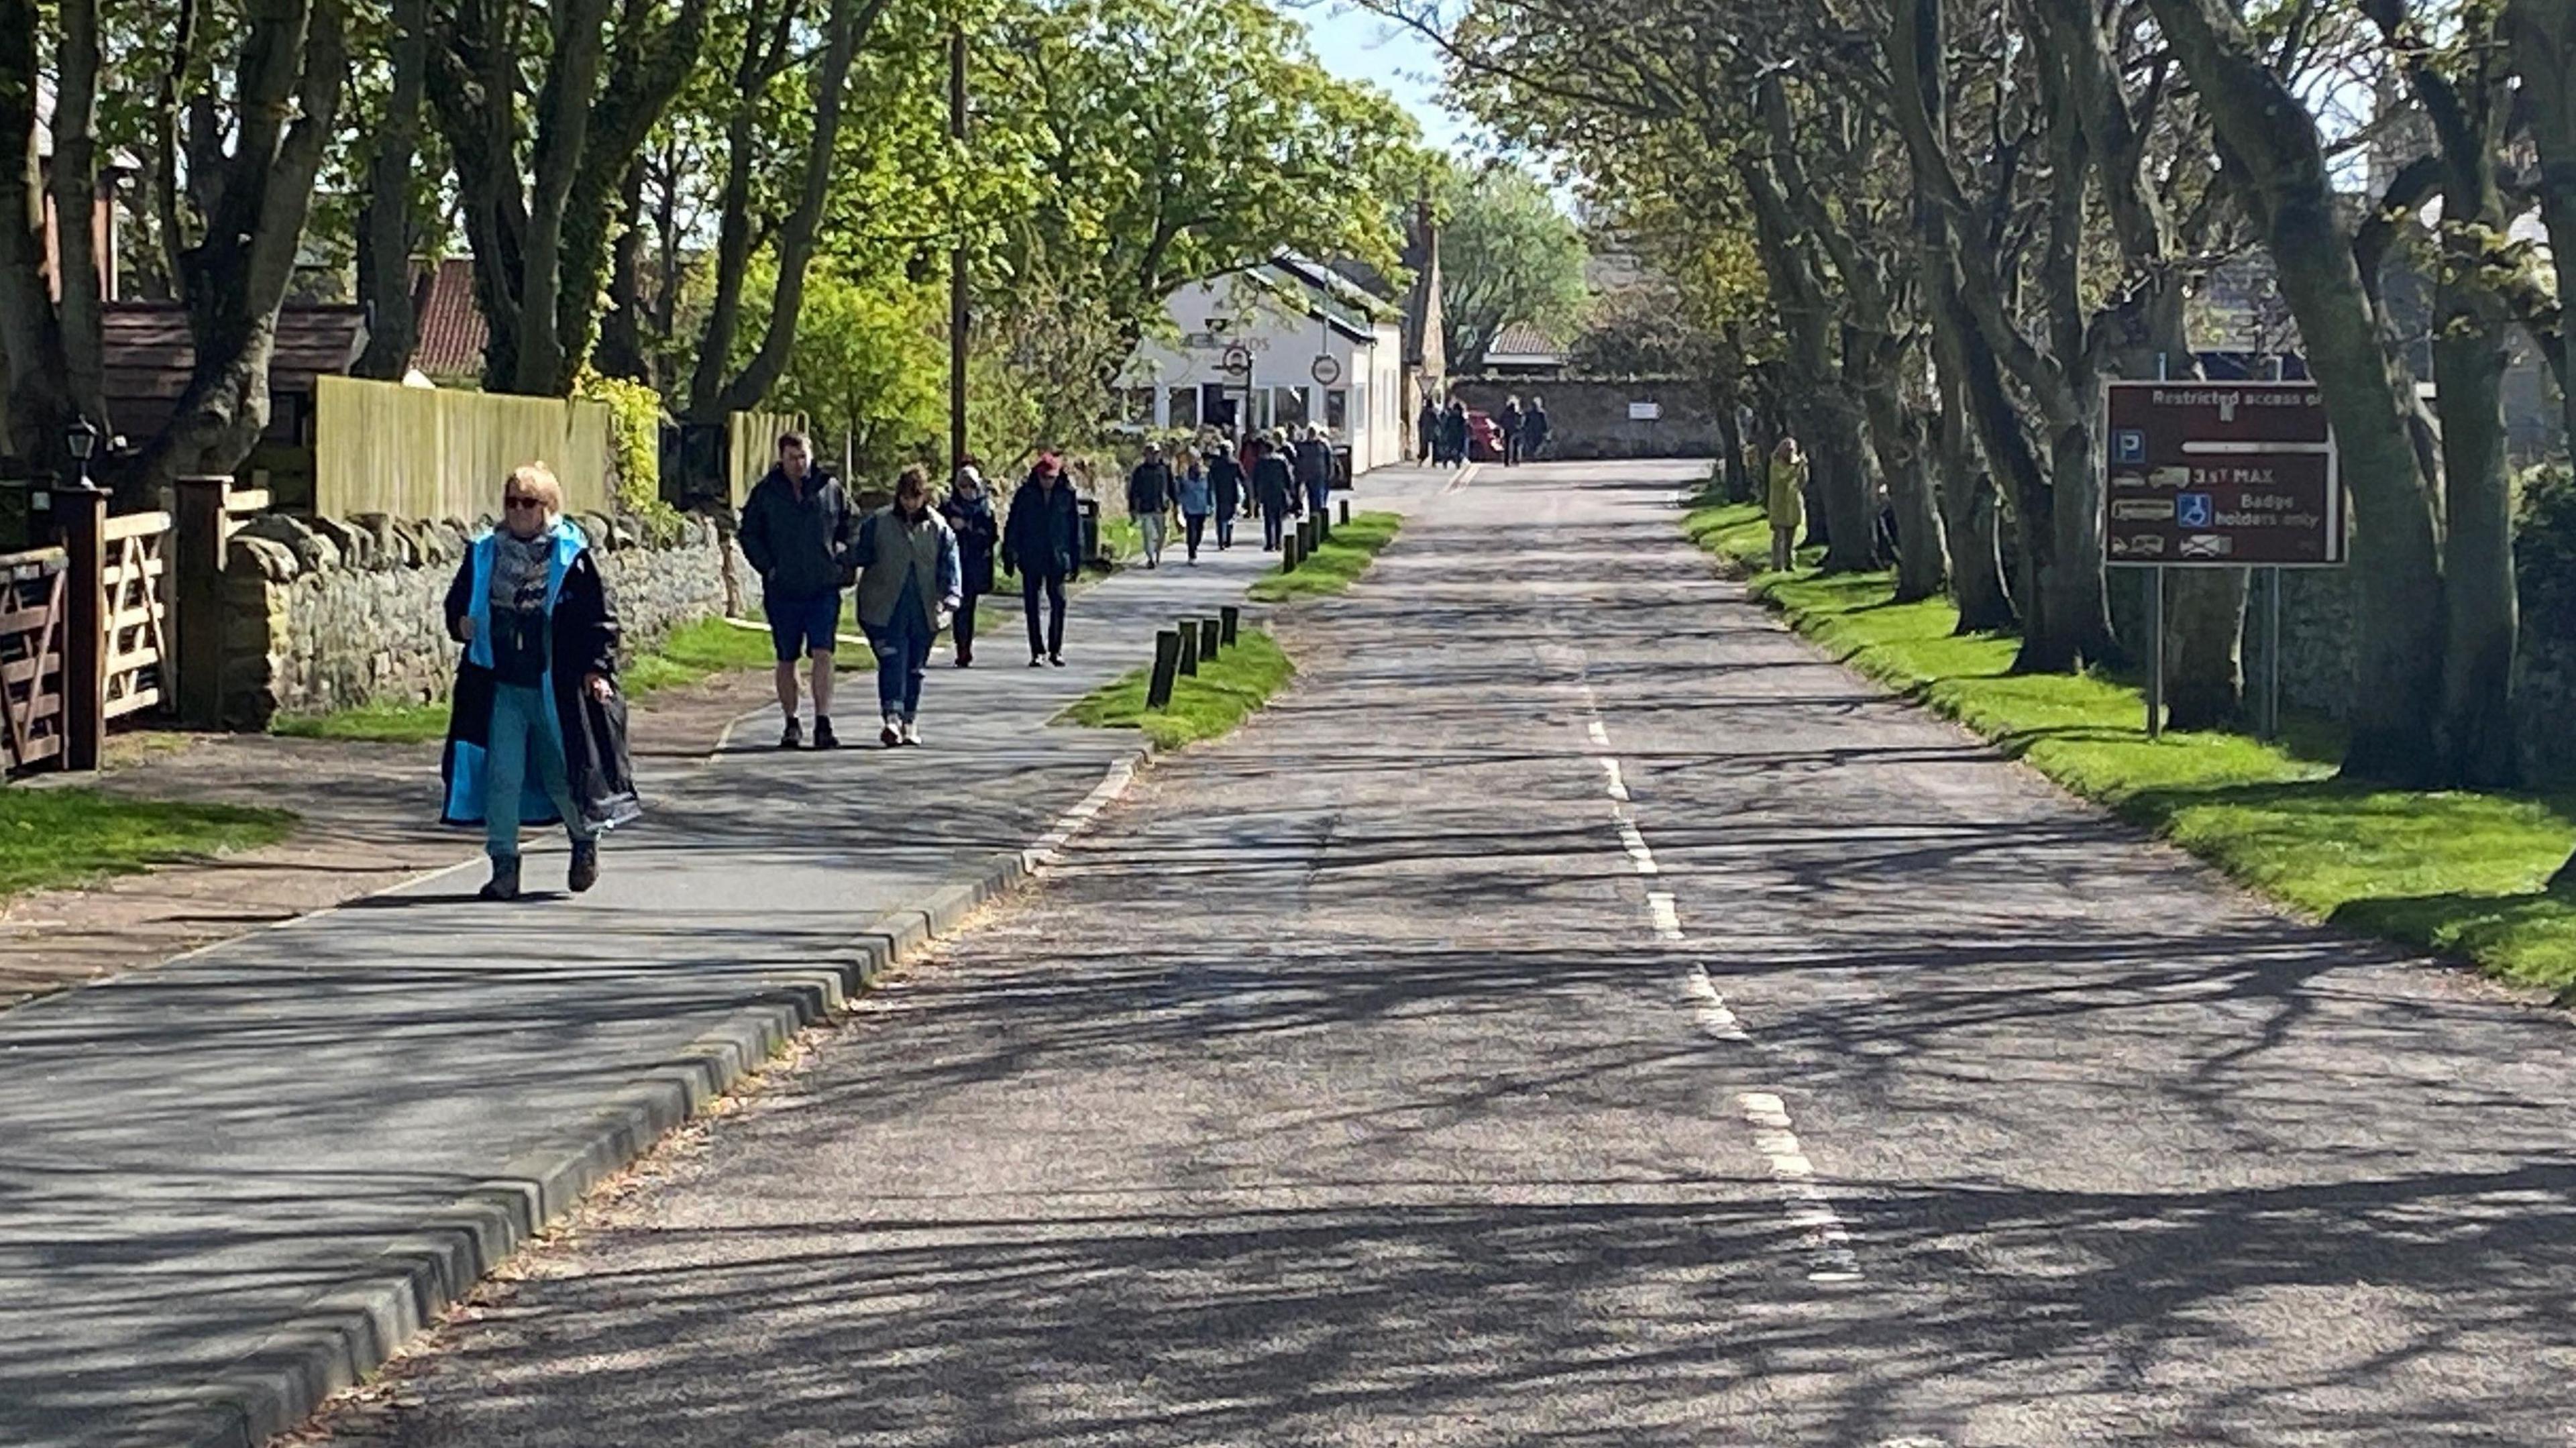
column 2221, row 475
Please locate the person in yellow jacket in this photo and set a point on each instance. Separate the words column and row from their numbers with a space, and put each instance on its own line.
column 1785, row 499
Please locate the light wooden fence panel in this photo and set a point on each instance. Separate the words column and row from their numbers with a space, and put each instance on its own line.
column 751, row 445
column 417, row 452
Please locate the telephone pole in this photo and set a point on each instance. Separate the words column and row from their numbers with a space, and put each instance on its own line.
column 957, row 318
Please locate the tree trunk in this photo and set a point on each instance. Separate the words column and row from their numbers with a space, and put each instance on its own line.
column 621, row 331
column 1735, row 481
column 387, row 230
column 1969, row 514
column 2543, row 38
column 1840, row 481
column 563, row 116
column 2282, row 174
column 1922, row 559
column 31, row 339
column 75, row 189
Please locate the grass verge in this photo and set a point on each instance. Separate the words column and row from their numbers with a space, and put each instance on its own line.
column 52, row 837
column 2454, row 871
column 1224, row 693
column 1337, row 564
column 692, row 652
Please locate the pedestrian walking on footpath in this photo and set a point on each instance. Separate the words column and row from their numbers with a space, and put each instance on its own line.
column 1042, row 542
column 1315, row 469
column 1149, row 501
column 1274, row 490
column 1784, row 499
column 1225, row 481
column 1533, row 430
column 1197, row 498
column 536, row 730
column 968, row 509
column 1511, row 431
column 1426, row 431
column 1453, row 432
column 796, row 532
column 908, row 590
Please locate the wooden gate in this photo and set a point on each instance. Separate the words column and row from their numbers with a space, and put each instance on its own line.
column 33, row 595
column 134, row 612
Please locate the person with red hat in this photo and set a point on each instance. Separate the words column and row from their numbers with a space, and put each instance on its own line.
column 1042, row 542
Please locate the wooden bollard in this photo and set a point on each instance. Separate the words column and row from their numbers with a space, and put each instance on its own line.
column 1167, row 663
column 1346, row 512
column 1188, row 630
column 1230, row 622
column 1210, row 638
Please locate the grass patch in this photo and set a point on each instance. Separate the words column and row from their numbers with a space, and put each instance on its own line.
column 1224, row 693
column 691, row 654
column 2455, row 871
column 1335, row 565
column 54, row 837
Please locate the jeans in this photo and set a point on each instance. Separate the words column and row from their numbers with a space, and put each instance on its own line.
column 902, row 647
column 1152, row 525
column 1225, row 529
column 520, row 731
column 1274, row 522
column 962, row 628
column 1053, row 586
column 1318, row 496
column 1193, row 528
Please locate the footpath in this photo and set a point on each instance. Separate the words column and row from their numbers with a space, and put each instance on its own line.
column 231, row 1184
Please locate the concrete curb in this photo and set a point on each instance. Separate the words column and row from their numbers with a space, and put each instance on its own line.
column 350, row 1331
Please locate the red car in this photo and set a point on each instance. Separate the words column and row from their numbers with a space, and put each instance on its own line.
column 1484, row 438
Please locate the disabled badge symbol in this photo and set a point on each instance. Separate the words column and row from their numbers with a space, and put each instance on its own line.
column 2192, row 510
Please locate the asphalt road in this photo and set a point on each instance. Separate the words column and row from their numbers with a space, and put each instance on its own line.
column 1579, row 1014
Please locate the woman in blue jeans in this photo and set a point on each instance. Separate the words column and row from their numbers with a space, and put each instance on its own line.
column 908, row 590
column 536, row 693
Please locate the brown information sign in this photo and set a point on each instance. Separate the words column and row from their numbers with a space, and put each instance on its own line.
column 2222, row 474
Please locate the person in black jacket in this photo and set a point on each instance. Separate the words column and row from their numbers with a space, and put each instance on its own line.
column 1150, row 494
column 1534, row 427
column 969, row 511
column 1511, row 420
column 1225, row 479
column 537, row 687
column 1274, row 491
column 1314, row 466
column 1042, row 542
column 796, row 532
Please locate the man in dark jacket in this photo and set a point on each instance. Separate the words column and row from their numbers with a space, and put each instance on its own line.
column 1042, row 542
column 1274, row 491
column 796, row 533
column 1426, row 430
column 1315, row 469
column 1225, row 478
column 1150, row 495
column 1533, row 429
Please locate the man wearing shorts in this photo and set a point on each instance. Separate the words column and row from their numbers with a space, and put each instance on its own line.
column 796, row 531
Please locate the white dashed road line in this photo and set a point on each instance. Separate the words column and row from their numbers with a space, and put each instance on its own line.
column 1821, row 1232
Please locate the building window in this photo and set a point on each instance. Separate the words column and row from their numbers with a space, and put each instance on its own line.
column 1136, row 406
column 1337, row 410
column 1288, row 406
column 1261, row 420
column 1184, row 409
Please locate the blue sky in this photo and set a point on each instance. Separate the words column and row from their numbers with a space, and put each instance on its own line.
column 1357, row 45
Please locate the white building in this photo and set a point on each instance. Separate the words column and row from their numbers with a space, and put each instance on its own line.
column 1287, row 343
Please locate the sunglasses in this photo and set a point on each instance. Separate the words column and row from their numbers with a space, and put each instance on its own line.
column 514, row 501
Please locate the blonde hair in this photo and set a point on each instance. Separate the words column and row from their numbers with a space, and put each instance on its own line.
column 538, row 480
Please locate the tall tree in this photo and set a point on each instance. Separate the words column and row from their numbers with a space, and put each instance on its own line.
column 1508, row 253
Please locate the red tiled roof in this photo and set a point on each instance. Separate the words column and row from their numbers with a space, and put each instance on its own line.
column 452, row 330
column 1523, row 341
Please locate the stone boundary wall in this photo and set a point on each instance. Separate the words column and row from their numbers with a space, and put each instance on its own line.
column 324, row 614
column 1588, row 417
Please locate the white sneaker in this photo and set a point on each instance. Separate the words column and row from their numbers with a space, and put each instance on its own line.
column 911, row 732
column 892, row 734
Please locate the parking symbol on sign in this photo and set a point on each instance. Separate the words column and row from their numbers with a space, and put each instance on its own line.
column 2129, row 445
column 2192, row 510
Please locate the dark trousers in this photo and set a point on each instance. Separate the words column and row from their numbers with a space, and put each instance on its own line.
column 1274, row 524
column 1193, row 528
column 962, row 630
column 1225, row 528
column 1031, row 584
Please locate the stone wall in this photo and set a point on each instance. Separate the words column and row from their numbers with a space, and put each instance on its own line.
column 323, row 614
column 1589, row 418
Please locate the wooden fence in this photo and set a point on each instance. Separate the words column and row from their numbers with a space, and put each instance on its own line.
column 125, row 619
column 418, row 452
column 751, row 446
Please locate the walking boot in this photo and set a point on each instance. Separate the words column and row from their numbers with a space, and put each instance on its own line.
column 824, row 738
column 504, row 884
column 585, row 866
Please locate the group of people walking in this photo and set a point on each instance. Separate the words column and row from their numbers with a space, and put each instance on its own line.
column 1278, row 476
column 537, row 729
column 1445, row 436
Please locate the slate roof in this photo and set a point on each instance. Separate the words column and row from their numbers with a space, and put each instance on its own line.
column 150, row 356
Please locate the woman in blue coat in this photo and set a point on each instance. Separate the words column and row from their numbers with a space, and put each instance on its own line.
column 536, row 732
